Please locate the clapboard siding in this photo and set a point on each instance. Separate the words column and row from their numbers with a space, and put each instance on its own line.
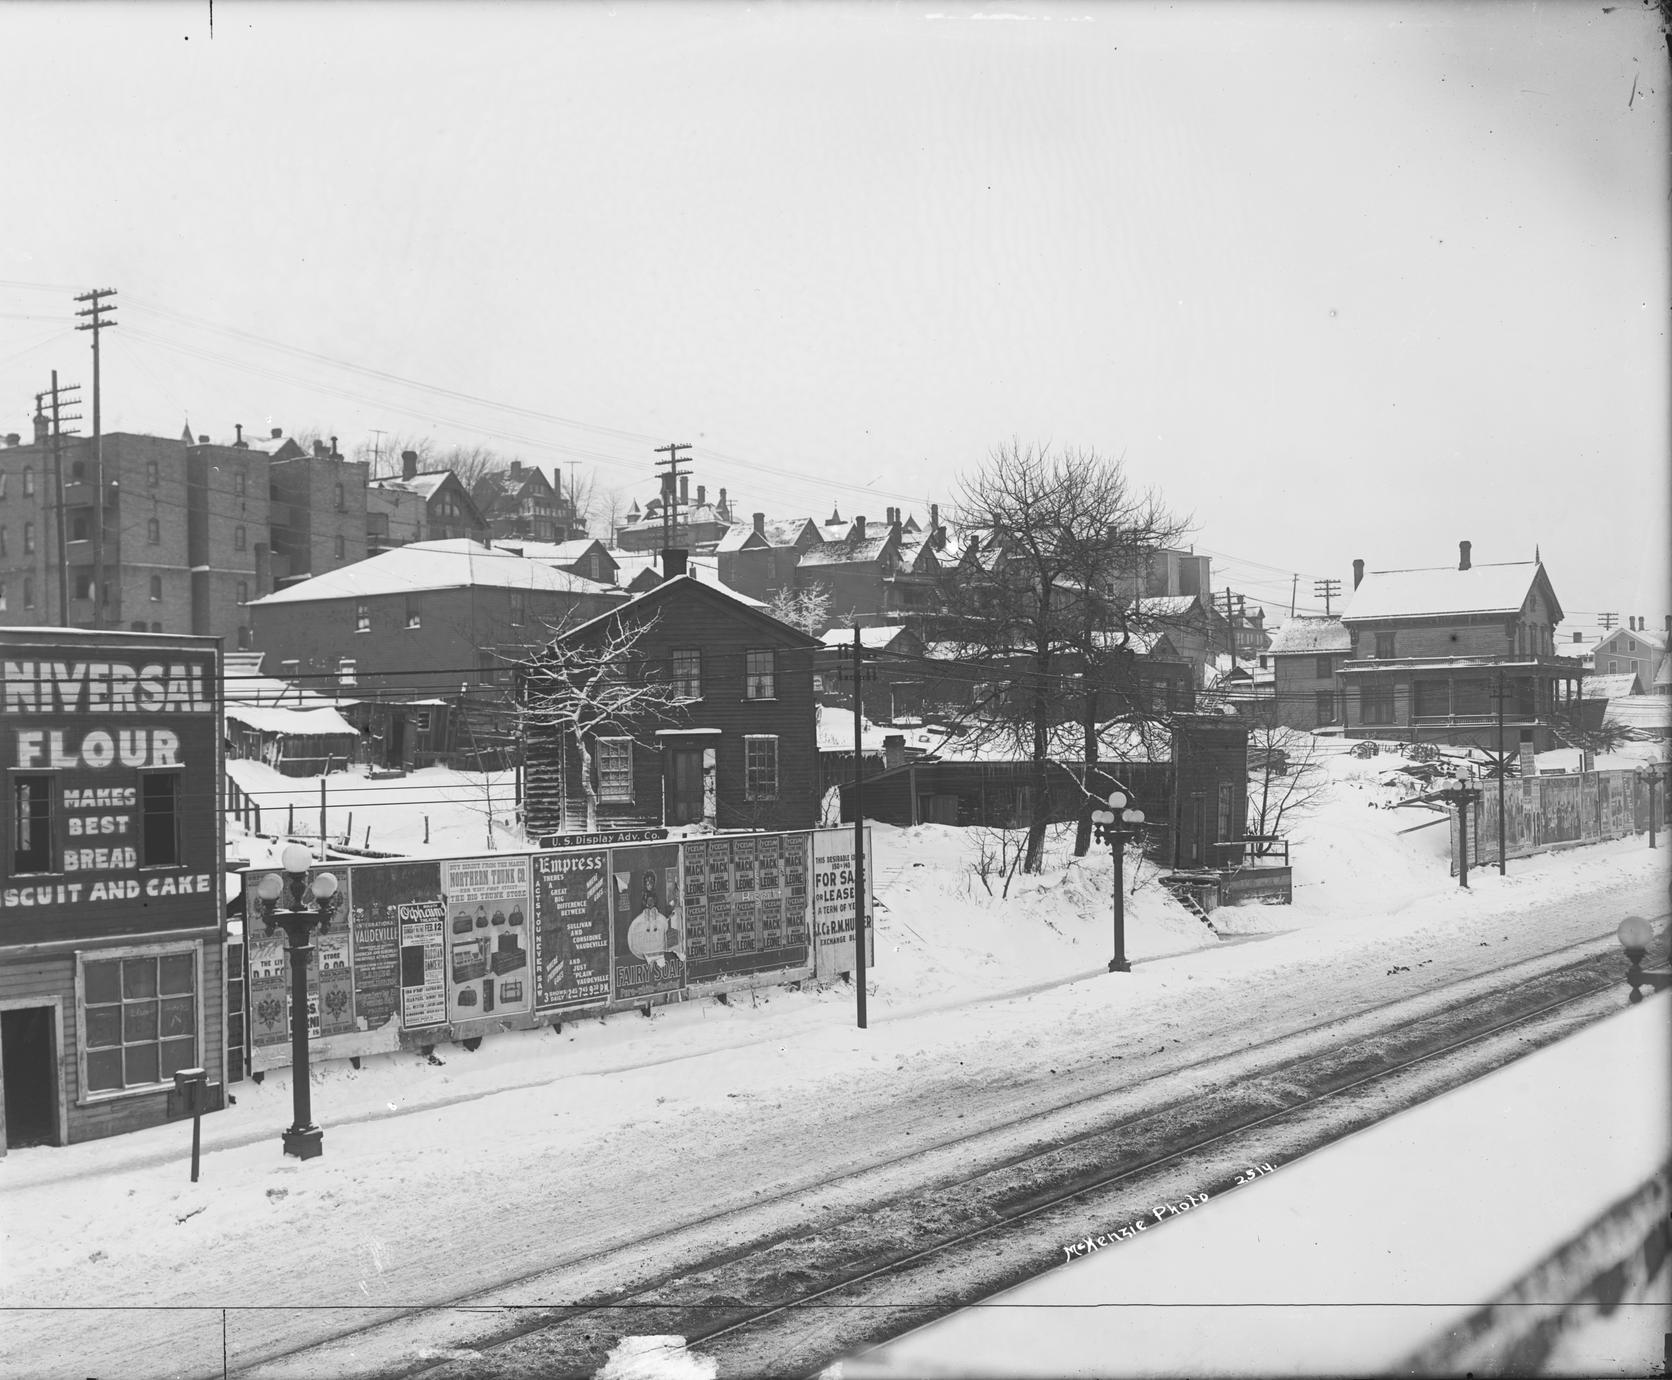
column 682, row 614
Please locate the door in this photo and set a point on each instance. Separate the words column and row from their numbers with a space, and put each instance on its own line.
column 395, row 756
column 30, row 1071
column 685, row 791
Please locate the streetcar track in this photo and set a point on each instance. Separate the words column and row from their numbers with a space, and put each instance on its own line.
column 1029, row 1205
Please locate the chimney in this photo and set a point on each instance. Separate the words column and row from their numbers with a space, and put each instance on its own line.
column 675, row 562
column 276, row 433
column 12, row 438
column 934, row 516
column 41, row 424
column 859, row 528
column 760, row 523
column 240, row 443
column 1462, row 555
column 702, row 494
column 203, row 440
column 1668, row 616
column 409, row 464
column 684, row 490
column 725, row 510
column 1358, row 573
column 894, row 751
column 334, row 454
column 516, row 469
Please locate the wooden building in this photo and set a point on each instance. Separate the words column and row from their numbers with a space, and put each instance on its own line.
column 741, row 752
column 1436, row 652
column 111, row 952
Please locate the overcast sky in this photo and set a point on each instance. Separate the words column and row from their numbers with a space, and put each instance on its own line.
column 1341, row 280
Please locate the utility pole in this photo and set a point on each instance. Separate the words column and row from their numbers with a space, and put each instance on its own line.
column 1607, row 620
column 1294, row 588
column 58, row 419
column 377, row 451
column 1502, row 765
column 670, row 490
column 859, row 882
column 1230, row 627
column 1326, row 590
column 96, row 322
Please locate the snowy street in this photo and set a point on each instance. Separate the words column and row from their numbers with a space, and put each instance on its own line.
column 486, row 1177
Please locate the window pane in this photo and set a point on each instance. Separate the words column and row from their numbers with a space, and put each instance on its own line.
column 100, row 982
column 176, row 974
column 104, row 1070
column 104, row 1026
column 178, row 1054
column 141, row 1064
column 139, row 977
column 177, row 1016
column 139, row 1021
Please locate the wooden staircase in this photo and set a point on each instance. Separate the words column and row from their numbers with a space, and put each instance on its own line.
column 1184, row 893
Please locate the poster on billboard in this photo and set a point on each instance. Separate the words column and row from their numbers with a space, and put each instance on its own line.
column 489, row 956
column 423, row 974
column 571, row 930
column 353, row 970
column 647, row 926
column 747, row 905
column 833, row 887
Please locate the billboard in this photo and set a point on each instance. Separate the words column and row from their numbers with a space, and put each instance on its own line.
column 490, row 974
column 571, row 930
column 646, row 924
column 834, row 887
column 748, row 904
column 355, row 971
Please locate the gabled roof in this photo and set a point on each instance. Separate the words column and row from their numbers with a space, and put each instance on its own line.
column 554, row 552
column 427, row 565
column 1611, row 687
column 424, row 485
column 775, row 532
column 1310, row 634
column 1655, row 641
column 1648, row 712
column 1447, row 591
column 637, row 567
column 849, row 551
column 689, row 587
column 879, row 637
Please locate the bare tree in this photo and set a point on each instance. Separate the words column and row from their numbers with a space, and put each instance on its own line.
column 1286, row 770
column 1033, row 606
column 805, row 609
column 593, row 680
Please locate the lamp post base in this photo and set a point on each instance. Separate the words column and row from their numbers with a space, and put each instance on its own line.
column 1119, row 965
column 305, row 1142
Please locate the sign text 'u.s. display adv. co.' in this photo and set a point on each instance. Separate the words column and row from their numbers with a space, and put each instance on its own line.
column 112, row 760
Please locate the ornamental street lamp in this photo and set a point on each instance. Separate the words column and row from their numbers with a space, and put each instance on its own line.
column 1634, row 935
column 1122, row 820
column 1460, row 793
column 298, row 907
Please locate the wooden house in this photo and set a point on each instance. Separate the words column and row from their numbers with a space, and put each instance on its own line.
column 739, row 752
column 1461, row 654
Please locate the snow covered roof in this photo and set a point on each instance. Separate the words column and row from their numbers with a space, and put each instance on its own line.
column 835, row 730
column 558, row 552
column 1611, row 687
column 1652, row 713
column 774, row 532
column 1643, row 637
column 295, row 722
column 456, row 564
column 421, row 484
column 705, row 570
column 846, row 552
column 1311, row 634
column 1501, row 588
column 874, row 637
column 1167, row 605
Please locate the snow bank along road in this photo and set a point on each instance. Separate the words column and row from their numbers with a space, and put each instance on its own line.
column 927, row 1231
column 466, row 1201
